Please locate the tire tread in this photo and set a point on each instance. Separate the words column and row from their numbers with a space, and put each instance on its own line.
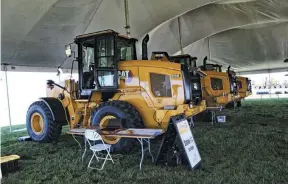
column 54, row 128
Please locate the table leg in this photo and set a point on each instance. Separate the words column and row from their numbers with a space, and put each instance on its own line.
column 85, row 149
column 149, row 149
column 191, row 124
column 142, row 151
column 213, row 117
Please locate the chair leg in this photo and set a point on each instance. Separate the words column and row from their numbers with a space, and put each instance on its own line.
column 103, row 162
column 91, row 161
column 106, row 158
column 96, row 157
column 110, row 158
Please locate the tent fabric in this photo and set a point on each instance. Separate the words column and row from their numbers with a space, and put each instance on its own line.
column 246, row 34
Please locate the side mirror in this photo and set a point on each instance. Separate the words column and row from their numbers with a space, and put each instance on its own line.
column 68, row 50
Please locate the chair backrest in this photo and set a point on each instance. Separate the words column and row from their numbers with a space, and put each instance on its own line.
column 92, row 135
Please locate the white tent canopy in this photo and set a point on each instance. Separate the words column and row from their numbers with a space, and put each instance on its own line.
column 249, row 35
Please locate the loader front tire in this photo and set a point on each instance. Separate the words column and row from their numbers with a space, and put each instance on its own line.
column 40, row 124
column 119, row 110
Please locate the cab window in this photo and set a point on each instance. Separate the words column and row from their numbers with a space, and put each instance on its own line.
column 105, row 52
column 126, row 49
column 216, row 84
column 160, row 85
column 106, row 78
column 240, row 84
column 88, row 64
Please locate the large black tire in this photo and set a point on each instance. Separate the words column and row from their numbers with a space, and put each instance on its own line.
column 51, row 130
column 122, row 110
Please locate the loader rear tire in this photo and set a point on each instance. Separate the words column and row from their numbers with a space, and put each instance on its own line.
column 130, row 119
column 40, row 124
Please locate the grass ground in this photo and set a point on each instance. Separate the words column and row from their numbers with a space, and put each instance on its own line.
column 252, row 147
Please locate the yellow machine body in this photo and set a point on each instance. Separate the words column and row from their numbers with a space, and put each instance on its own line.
column 216, row 89
column 244, row 90
column 215, row 84
column 135, row 88
column 115, row 87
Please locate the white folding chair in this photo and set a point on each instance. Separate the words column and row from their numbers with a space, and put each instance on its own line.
column 92, row 135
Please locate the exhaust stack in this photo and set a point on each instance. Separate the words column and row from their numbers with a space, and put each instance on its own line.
column 205, row 62
column 144, row 48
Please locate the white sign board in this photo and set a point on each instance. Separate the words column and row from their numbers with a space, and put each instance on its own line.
column 189, row 143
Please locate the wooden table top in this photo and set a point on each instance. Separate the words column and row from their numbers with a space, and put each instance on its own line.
column 144, row 133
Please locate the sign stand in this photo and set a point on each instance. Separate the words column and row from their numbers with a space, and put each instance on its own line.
column 169, row 153
column 167, row 144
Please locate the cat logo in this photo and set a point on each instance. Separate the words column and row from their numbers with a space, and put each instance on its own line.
column 125, row 75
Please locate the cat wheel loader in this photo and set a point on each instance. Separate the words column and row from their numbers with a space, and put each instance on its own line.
column 113, row 84
column 244, row 89
column 218, row 88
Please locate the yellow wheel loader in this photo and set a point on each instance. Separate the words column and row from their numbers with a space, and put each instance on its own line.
column 218, row 88
column 113, row 84
column 244, row 89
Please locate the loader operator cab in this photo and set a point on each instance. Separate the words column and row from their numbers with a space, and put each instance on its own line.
column 98, row 56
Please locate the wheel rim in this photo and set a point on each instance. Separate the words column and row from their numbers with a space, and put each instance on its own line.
column 37, row 123
column 104, row 124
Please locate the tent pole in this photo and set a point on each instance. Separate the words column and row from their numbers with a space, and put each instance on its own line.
column 7, row 93
column 180, row 35
column 127, row 27
column 209, row 51
column 269, row 83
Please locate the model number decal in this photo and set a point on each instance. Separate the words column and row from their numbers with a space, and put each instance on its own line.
column 173, row 76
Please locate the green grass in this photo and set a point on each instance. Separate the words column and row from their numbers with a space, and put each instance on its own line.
column 252, row 147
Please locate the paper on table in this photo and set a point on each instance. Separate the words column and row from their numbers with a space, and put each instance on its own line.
column 151, row 132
